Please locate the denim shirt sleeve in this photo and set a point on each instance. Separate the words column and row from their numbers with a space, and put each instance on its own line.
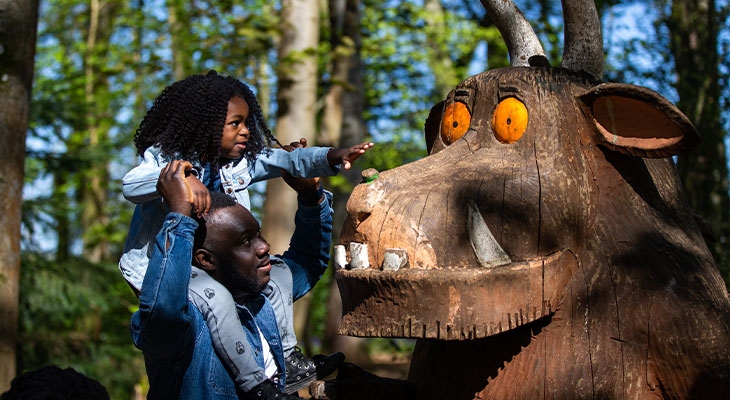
column 303, row 162
column 309, row 251
column 139, row 185
column 163, row 322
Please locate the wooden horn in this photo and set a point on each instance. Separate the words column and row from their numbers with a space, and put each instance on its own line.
column 583, row 49
column 524, row 47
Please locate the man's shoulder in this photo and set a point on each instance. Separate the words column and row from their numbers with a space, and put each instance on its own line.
column 278, row 262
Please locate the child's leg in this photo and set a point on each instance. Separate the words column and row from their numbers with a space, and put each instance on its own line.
column 300, row 369
column 229, row 338
column 283, row 306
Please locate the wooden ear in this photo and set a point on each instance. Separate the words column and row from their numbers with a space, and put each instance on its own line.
column 638, row 121
column 433, row 124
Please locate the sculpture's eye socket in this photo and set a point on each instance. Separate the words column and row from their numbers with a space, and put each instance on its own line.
column 510, row 120
column 455, row 122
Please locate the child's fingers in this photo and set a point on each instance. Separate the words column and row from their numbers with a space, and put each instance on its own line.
column 202, row 204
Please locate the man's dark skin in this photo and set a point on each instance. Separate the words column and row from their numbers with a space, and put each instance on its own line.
column 233, row 236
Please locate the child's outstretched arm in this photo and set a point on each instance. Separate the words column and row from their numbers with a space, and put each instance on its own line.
column 347, row 155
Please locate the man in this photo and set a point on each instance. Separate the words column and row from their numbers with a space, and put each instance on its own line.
column 228, row 245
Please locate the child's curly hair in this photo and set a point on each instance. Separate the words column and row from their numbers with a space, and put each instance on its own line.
column 186, row 120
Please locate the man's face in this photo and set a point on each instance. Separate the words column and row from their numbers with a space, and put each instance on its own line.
column 241, row 254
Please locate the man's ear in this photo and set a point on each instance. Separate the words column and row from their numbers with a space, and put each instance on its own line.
column 205, row 260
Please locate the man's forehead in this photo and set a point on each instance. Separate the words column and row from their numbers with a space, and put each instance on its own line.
column 236, row 218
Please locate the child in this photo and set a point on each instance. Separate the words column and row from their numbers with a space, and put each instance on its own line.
column 216, row 123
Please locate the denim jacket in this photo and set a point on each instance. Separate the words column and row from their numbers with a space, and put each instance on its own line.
column 171, row 332
column 139, row 186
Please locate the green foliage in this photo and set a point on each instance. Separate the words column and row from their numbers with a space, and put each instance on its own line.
column 76, row 314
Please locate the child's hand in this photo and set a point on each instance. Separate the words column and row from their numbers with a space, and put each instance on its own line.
column 200, row 194
column 347, row 155
column 295, row 145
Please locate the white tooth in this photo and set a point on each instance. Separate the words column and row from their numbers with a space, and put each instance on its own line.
column 394, row 259
column 359, row 255
column 488, row 251
column 340, row 258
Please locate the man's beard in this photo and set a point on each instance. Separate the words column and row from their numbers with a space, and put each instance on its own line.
column 237, row 284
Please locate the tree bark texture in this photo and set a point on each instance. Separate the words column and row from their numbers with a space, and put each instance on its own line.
column 18, row 25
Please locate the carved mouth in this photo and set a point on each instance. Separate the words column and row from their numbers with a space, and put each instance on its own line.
column 486, row 249
column 409, row 295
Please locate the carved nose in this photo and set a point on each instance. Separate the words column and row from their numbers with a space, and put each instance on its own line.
column 370, row 175
column 365, row 196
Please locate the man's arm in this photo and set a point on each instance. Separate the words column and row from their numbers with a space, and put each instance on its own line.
column 139, row 185
column 309, row 249
column 163, row 320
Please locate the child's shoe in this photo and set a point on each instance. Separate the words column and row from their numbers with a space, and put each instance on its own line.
column 267, row 390
column 301, row 370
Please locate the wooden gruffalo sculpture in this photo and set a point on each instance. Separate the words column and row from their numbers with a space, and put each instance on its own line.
column 544, row 248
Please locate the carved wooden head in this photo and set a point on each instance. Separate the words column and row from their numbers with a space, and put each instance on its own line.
column 546, row 192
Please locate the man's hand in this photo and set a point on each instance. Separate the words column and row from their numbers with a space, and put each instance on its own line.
column 174, row 187
column 347, row 155
column 308, row 189
column 295, row 145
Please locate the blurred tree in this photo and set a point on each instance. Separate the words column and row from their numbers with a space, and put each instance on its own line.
column 342, row 125
column 19, row 22
column 296, row 97
column 694, row 27
column 92, row 139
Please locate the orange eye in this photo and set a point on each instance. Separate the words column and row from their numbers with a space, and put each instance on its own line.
column 510, row 120
column 455, row 122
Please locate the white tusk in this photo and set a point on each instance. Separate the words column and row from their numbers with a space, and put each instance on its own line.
column 340, row 258
column 359, row 256
column 394, row 259
column 488, row 251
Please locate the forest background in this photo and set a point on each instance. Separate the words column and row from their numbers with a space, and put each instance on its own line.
column 337, row 72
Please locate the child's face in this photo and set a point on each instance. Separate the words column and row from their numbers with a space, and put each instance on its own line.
column 235, row 134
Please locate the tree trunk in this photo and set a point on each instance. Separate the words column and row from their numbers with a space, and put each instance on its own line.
column 19, row 20
column 180, row 22
column 439, row 60
column 342, row 124
column 296, row 99
column 94, row 181
column 693, row 27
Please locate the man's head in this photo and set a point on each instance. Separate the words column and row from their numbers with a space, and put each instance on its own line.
column 229, row 246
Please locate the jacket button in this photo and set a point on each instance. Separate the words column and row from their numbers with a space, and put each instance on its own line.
column 240, row 181
column 229, row 190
